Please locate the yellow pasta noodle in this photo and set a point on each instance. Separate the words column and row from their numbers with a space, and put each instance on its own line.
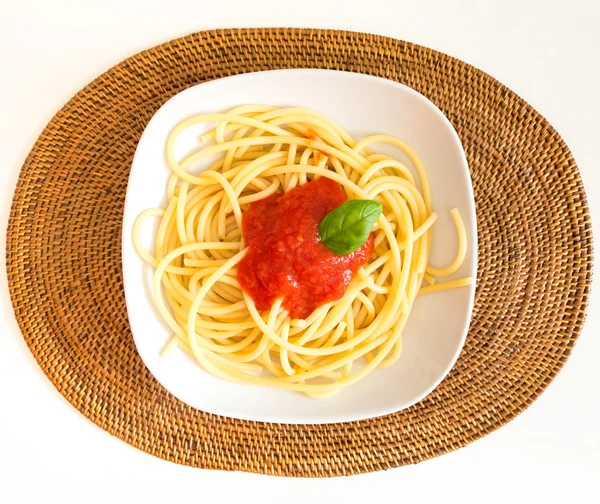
column 253, row 152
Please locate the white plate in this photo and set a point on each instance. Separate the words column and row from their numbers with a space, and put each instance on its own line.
column 364, row 105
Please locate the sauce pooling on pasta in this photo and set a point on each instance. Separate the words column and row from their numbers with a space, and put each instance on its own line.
column 286, row 258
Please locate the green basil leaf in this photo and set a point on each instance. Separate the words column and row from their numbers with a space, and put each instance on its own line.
column 346, row 228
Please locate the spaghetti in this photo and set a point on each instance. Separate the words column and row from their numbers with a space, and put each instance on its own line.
column 254, row 152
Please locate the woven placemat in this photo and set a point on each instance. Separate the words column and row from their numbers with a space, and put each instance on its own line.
column 64, row 258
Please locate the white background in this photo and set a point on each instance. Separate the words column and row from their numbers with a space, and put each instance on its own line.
column 546, row 51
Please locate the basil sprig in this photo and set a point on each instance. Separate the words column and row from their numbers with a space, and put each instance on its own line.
column 346, row 228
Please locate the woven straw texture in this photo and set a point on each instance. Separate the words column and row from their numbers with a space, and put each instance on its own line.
column 64, row 258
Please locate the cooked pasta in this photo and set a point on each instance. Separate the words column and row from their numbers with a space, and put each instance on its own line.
column 255, row 152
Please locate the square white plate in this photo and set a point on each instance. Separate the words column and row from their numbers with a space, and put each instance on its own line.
column 364, row 105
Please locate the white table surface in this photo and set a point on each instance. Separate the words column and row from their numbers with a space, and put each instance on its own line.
column 545, row 51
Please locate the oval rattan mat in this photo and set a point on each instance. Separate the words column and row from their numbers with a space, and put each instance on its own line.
column 64, row 258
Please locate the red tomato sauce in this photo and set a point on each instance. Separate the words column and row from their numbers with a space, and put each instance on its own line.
column 286, row 258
